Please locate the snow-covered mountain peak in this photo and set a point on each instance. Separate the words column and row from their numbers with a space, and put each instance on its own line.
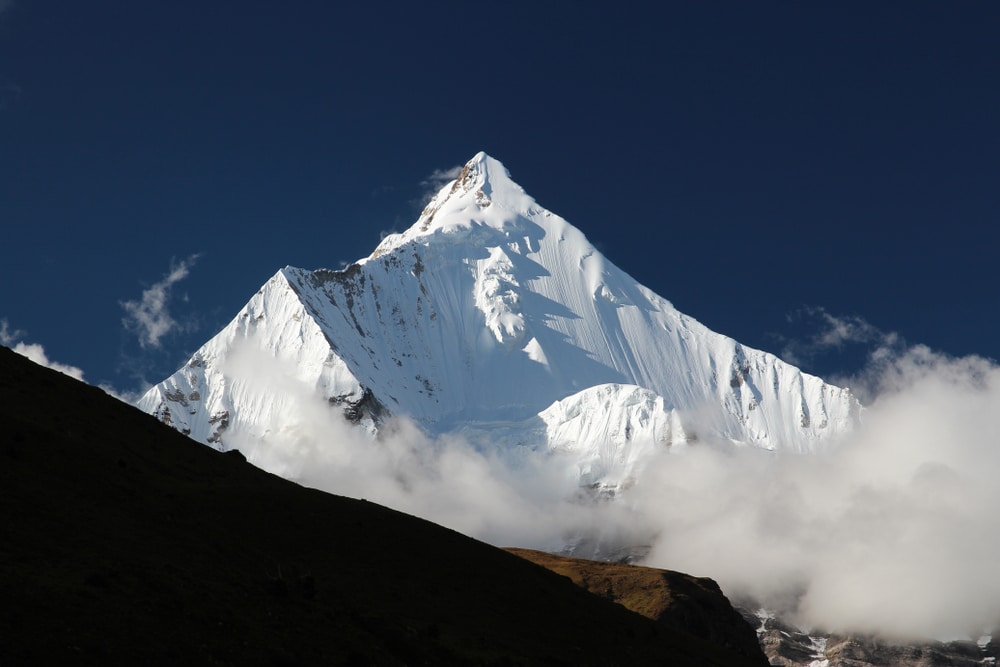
column 483, row 195
column 492, row 313
column 487, row 179
column 476, row 175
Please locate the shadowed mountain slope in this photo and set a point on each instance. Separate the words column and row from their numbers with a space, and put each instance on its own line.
column 123, row 542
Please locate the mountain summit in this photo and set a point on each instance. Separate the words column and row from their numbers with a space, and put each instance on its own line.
column 494, row 317
column 485, row 180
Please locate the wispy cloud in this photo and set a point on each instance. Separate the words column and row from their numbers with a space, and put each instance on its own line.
column 430, row 186
column 841, row 334
column 834, row 332
column 8, row 336
column 5, row 5
column 437, row 180
column 13, row 339
column 149, row 317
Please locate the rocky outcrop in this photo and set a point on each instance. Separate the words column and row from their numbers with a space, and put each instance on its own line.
column 695, row 605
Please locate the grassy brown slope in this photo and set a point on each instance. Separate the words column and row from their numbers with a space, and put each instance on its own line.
column 123, row 542
column 693, row 604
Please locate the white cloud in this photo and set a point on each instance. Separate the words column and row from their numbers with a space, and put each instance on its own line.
column 9, row 337
column 431, row 185
column 515, row 497
column 834, row 333
column 149, row 318
column 837, row 333
column 894, row 530
column 34, row 351
column 841, row 330
column 128, row 396
column 437, row 180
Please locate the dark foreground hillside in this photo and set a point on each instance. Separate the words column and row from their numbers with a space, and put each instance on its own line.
column 123, row 542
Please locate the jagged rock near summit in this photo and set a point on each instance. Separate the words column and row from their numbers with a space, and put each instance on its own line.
column 493, row 317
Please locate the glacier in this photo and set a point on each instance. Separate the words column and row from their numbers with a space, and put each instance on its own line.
column 495, row 318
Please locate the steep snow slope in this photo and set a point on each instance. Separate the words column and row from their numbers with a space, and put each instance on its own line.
column 493, row 314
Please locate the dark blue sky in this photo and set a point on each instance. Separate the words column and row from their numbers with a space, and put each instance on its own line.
column 744, row 160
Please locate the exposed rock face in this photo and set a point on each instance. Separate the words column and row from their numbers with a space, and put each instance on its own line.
column 788, row 646
column 860, row 651
column 695, row 605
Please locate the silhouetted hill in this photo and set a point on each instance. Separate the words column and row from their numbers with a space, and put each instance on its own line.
column 123, row 542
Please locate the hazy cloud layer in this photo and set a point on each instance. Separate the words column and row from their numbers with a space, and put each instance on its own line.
column 12, row 338
column 504, row 497
column 149, row 317
column 893, row 530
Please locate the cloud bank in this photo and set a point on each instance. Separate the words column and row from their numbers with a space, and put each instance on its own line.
column 894, row 530
column 149, row 317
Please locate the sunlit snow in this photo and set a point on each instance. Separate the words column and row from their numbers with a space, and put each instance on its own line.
column 491, row 308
